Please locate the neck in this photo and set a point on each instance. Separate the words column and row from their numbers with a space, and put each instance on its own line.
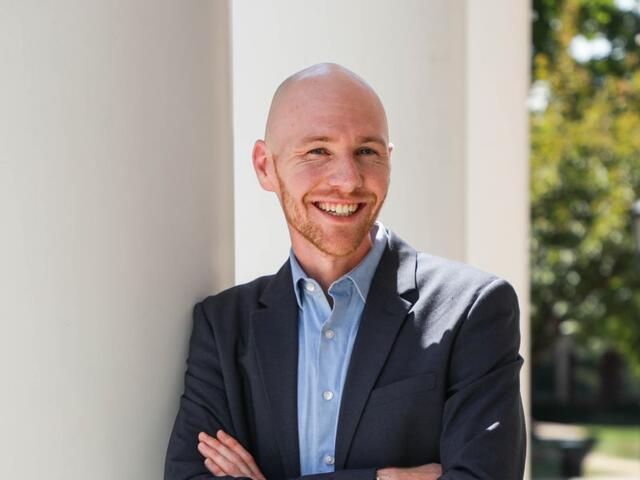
column 325, row 268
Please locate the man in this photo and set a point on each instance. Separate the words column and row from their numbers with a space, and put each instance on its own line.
column 361, row 358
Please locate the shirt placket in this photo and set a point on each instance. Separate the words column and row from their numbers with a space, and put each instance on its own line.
column 332, row 344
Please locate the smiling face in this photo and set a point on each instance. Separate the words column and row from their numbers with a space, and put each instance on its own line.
column 326, row 156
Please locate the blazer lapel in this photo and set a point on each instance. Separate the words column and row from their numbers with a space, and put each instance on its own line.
column 275, row 336
column 392, row 293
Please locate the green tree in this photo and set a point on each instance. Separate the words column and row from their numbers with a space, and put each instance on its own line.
column 585, row 174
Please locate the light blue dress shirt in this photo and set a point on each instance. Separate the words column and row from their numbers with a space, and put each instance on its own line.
column 325, row 341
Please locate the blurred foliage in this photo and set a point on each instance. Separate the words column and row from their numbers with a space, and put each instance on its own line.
column 585, row 174
column 616, row 440
column 555, row 23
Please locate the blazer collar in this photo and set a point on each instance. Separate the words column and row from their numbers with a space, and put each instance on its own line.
column 396, row 274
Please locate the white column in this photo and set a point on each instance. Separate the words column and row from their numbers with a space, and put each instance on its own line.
column 115, row 218
column 498, row 43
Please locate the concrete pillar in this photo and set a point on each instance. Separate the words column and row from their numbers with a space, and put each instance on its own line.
column 115, row 174
column 497, row 45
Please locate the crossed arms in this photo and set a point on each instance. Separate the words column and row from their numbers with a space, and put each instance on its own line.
column 224, row 456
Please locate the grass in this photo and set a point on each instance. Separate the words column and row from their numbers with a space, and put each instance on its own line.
column 616, row 440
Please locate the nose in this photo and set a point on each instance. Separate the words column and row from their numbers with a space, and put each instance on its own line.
column 346, row 175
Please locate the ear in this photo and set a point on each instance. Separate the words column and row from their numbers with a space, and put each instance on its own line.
column 263, row 166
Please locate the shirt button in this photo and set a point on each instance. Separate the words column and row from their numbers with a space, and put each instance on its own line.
column 329, row 460
column 310, row 287
column 327, row 395
column 329, row 334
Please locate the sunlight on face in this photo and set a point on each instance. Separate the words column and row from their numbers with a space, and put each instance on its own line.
column 332, row 162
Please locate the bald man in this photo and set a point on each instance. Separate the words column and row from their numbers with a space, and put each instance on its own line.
column 360, row 358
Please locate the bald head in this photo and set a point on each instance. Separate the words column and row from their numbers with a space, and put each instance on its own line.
column 326, row 156
column 317, row 85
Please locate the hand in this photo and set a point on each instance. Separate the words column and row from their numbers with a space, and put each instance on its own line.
column 432, row 471
column 225, row 456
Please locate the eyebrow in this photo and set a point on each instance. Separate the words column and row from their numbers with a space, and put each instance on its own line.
column 322, row 138
column 373, row 139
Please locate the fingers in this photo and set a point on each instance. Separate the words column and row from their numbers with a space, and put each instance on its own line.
column 214, row 468
column 227, row 456
column 224, row 458
column 232, row 444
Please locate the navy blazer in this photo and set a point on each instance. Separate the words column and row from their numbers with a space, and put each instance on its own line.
column 433, row 375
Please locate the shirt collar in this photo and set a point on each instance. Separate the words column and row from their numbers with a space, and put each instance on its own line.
column 361, row 275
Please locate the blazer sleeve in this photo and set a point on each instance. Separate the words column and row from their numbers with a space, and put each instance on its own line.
column 483, row 434
column 203, row 405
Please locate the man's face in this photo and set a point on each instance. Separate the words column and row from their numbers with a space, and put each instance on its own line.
column 330, row 154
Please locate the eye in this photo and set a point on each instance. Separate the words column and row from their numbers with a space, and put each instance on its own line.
column 366, row 151
column 318, row 151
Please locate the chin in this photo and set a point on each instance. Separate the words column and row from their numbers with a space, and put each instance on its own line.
column 340, row 244
column 332, row 239
column 336, row 250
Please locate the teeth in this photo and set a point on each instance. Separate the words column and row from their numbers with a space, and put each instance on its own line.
column 339, row 209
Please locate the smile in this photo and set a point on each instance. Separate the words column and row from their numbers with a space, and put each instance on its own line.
column 338, row 209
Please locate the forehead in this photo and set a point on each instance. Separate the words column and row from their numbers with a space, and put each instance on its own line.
column 330, row 111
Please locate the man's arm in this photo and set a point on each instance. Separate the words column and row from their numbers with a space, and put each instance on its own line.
column 203, row 406
column 225, row 456
column 483, row 435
